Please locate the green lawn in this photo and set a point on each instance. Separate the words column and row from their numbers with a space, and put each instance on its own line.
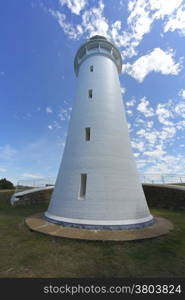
column 28, row 254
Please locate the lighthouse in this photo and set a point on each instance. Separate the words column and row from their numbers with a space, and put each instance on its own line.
column 98, row 186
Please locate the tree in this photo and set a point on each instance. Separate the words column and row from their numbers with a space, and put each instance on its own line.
column 6, row 184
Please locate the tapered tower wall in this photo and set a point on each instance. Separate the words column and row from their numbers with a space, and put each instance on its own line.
column 97, row 183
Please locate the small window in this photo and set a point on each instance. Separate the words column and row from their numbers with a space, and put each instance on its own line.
column 91, row 69
column 83, row 183
column 87, row 133
column 90, row 93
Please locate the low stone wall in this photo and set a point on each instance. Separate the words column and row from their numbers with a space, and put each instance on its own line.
column 165, row 196
column 157, row 195
column 35, row 198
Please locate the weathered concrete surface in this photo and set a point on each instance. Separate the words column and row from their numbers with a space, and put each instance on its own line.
column 37, row 223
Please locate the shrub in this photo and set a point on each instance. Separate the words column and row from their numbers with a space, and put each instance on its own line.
column 6, row 184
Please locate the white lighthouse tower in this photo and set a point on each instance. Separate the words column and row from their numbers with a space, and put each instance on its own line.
column 97, row 185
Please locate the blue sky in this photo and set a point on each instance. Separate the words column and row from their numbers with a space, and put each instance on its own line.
column 39, row 39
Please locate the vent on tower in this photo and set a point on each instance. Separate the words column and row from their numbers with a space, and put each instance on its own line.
column 91, row 69
column 83, row 183
column 87, row 133
column 90, row 93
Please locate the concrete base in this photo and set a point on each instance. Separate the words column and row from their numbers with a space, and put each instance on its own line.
column 103, row 225
column 39, row 224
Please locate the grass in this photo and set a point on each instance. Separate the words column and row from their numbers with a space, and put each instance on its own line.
column 28, row 254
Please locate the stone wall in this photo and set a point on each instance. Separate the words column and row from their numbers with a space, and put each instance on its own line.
column 35, row 198
column 157, row 195
column 165, row 196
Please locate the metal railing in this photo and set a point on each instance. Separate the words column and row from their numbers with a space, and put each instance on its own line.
column 23, row 185
column 162, row 178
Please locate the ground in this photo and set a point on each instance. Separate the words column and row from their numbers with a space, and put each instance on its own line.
column 28, row 254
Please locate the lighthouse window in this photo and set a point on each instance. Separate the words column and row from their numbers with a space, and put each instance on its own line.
column 90, row 93
column 91, row 68
column 87, row 133
column 83, row 182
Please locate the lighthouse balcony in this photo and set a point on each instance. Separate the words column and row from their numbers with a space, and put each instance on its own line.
column 98, row 47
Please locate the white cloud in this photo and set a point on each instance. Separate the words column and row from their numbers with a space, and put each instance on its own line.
column 149, row 124
column 144, row 108
column 74, row 5
column 164, row 113
column 141, row 121
column 120, row 37
column 94, row 22
column 167, row 132
column 139, row 19
column 142, row 15
column 129, row 112
column 141, row 163
column 131, row 102
column 180, row 109
column 50, row 127
column 182, row 93
column 156, row 146
column 139, row 23
column 7, row 152
column 167, row 164
column 164, row 7
column 123, row 90
column 176, row 21
column 130, row 129
column 116, row 27
column 32, row 176
column 180, row 125
column 141, row 132
column 157, row 61
column 27, row 116
column 64, row 114
column 73, row 32
column 150, row 136
column 139, row 145
column 3, row 170
column 49, row 110
column 157, row 153
column 54, row 125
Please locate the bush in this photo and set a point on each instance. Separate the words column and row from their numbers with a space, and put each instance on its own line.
column 6, row 184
